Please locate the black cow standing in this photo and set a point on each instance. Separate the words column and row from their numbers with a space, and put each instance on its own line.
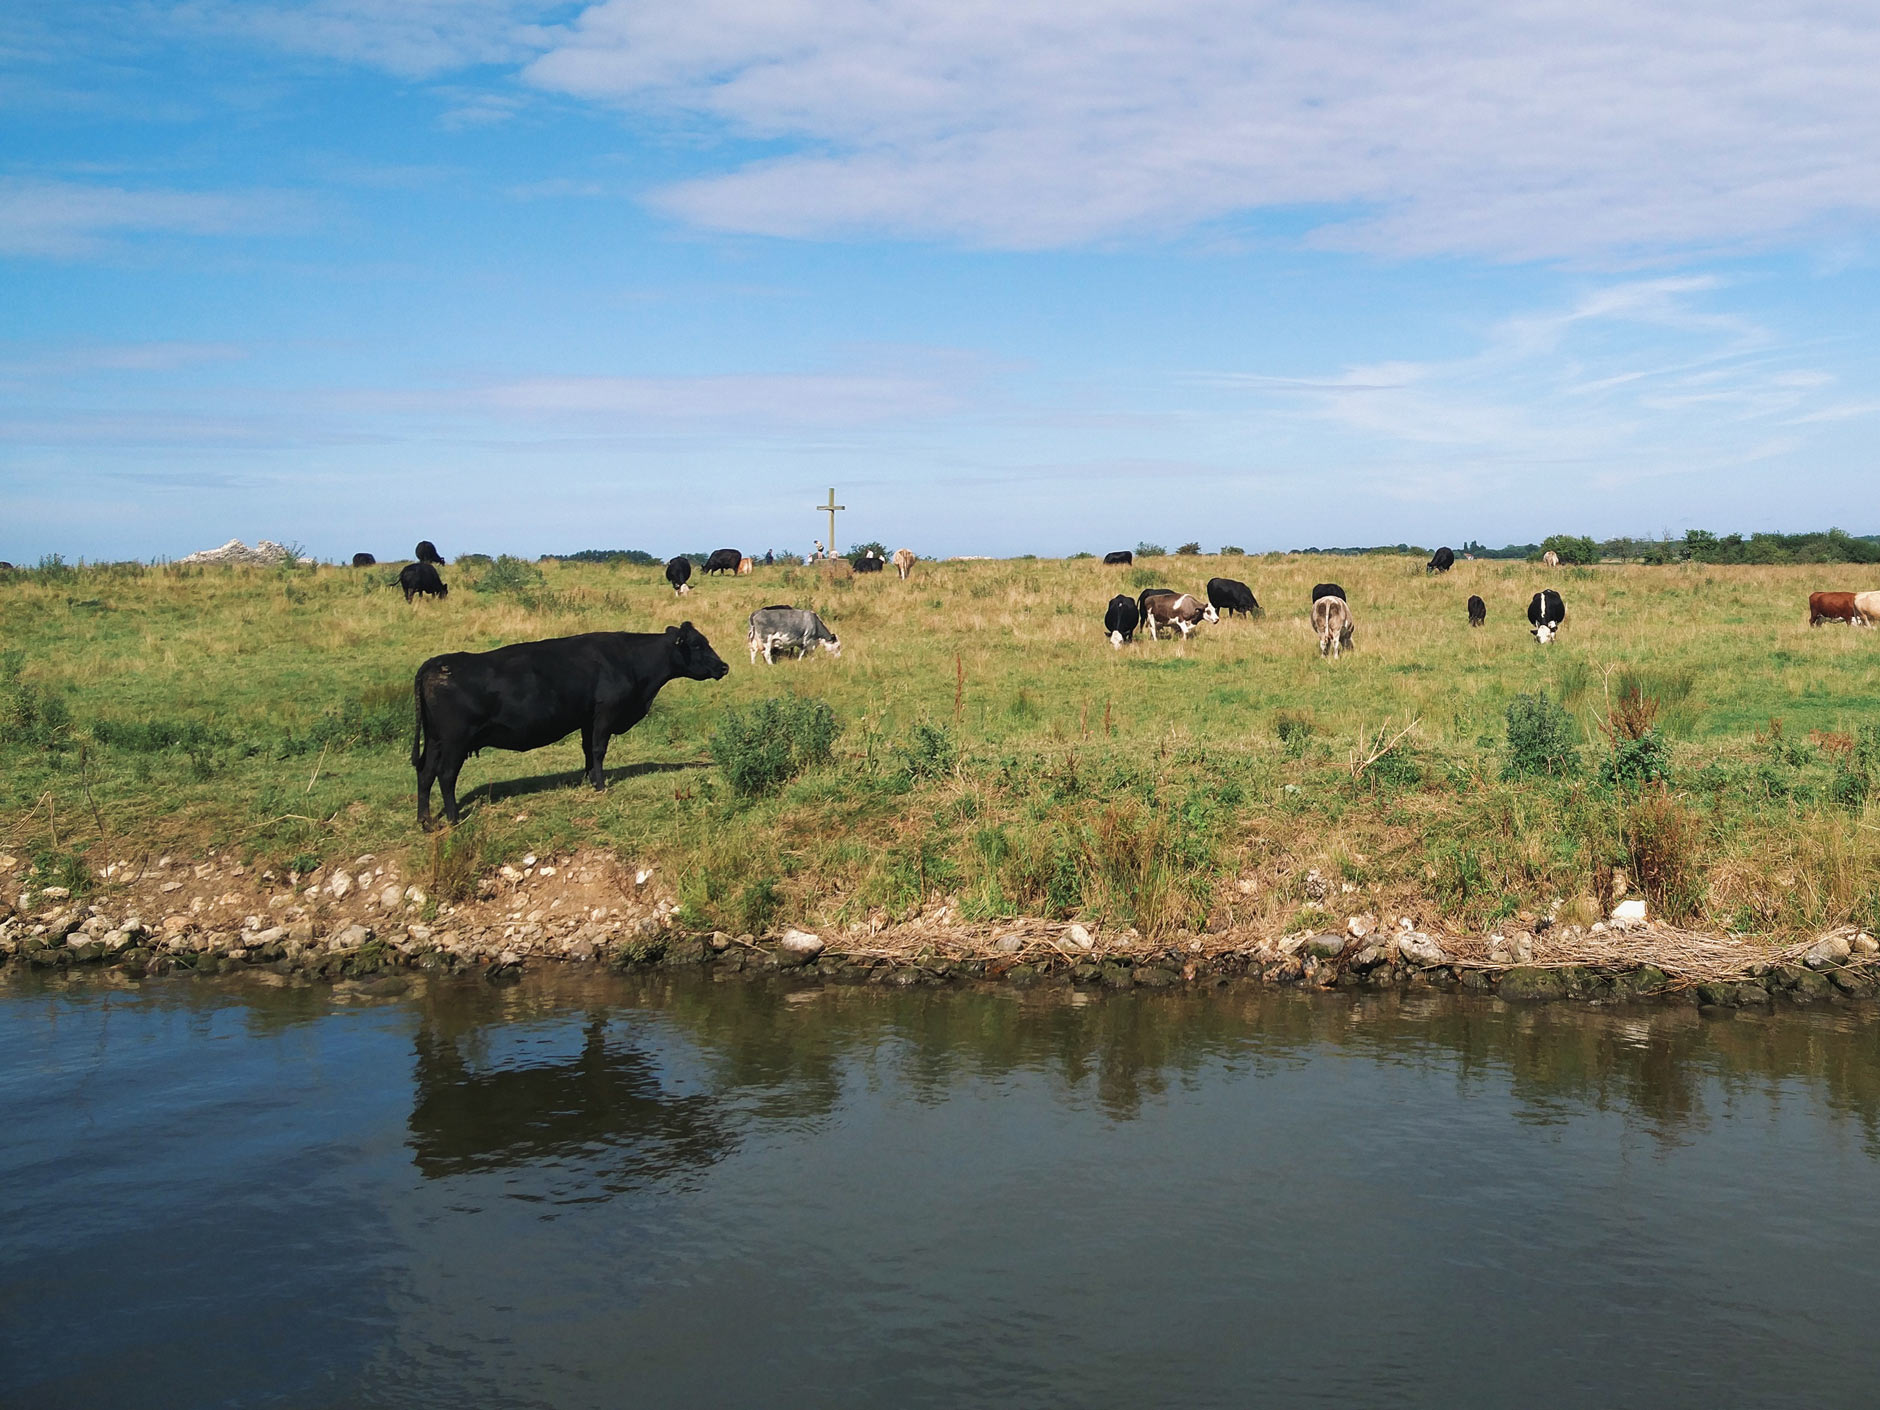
column 1441, row 561
column 1327, row 590
column 426, row 552
column 421, row 579
column 1232, row 596
column 1122, row 555
column 536, row 692
column 363, row 560
column 1478, row 611
column 678, row 571
column 723, row 560
column 1121, row 619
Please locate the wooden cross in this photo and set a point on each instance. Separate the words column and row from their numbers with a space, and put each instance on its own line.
column 830, row 508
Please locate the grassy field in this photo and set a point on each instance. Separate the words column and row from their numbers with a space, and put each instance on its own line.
column 994, row 750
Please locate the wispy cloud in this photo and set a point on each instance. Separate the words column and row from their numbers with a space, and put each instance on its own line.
column 68, row 219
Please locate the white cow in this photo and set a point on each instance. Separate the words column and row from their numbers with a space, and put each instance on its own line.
column 1331, row 619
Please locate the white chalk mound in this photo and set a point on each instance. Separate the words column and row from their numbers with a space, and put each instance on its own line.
column 265, row 553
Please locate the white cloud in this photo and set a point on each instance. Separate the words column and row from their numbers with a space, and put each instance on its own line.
column 65, row 219
column 413, row 38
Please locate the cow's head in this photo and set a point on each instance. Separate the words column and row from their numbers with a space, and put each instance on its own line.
column 1543, row 633
column 832, row 644
column 1208, row 614
column 692, row 655
column 1116, row 640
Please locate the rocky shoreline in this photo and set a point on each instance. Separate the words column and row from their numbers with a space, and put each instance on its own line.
column 368, row 921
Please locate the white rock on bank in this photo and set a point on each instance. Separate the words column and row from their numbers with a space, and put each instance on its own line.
column 1629, row 912
column 801, row 942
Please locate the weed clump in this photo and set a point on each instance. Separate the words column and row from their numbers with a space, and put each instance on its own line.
column 761, row 749
column 1661, row 837
column 1540, row 739
column 28, row 715
column 1857, row 772
column 1294, row 731
column 929, row 752
column 511, row 575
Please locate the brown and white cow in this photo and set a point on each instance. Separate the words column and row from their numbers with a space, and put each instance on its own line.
column 903, row 561
column 1833, row 607
column 1331, row 619
column 1182, row 611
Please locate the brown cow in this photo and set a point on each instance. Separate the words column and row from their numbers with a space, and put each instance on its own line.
column 1832, row 607
column 1178, row 610
column 1331, row 619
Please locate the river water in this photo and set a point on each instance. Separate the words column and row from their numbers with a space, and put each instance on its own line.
column 591, row 1190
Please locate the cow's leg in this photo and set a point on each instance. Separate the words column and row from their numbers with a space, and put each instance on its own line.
column 595, row 742
column 427, row 773
column 447, row 784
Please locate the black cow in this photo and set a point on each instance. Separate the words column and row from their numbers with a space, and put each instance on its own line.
column 421, row 578
column 1327, row 590
column 868, row 563
column 1478, row 611
column 426, row 552
column 1232, row 596
column 724, row 560
column 536, row 692
column 1546, row 611
column 1122, row 555
column 363, row 560
column 678, row 570
column 1441, row 561
column 1121, row 619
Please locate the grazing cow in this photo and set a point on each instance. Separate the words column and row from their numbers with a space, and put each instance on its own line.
column 723, row 560
column 1833, row 607
column 1178, row 610
column 363, row 560
column 1232, row 596
column 786, row 628
column 1327, row 590
column 867, row 563
column 1331, row 619
column 679, row 573
column 1551, row 559
column 1441, row 561
column 1546, row 611
column 904, row 562
column 426, row 552
column 1121, row 619
column 1478, row 611
column 536, row 692
column 1142, row 599
column 1867, row 604
column 744, row 566
column 421, row 578
column 1122, row 555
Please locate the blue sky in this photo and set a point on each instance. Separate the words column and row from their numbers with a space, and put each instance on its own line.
column 1014, row 277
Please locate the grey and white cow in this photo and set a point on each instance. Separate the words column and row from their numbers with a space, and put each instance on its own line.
column 782, row 628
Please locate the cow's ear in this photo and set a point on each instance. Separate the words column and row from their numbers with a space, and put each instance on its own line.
column 672, row 632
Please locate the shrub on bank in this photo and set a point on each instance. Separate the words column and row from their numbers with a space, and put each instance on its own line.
column 1540, row 739
column 762, row 748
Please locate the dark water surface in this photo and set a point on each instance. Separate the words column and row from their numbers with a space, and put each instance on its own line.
column 596, row 1191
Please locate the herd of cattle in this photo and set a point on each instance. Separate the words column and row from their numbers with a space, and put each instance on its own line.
column 601, row 684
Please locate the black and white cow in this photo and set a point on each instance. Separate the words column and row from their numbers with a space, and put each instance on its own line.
column 1232, row 596
column 723, row 560
column 785, row 628
column 1546, row 612
column 1327, row 590
column 679, row 573
column 422, row 580
column 1121, row 619
column 536, row 692
column 1478, row 611
column 1178, row 610
column 1122, row 555
column 869, row 562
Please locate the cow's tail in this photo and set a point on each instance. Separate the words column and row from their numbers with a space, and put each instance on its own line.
column 417, row 719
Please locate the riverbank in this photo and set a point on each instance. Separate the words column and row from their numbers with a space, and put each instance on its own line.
column 370, row 920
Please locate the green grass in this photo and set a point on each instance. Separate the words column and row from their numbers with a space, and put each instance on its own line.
column 993, row 748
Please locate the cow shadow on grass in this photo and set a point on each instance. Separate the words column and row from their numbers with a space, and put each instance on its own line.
column 497, row 790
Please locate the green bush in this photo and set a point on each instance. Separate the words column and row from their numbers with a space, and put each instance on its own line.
column 29, row 715
column 1572, row 548
column 1858, row 772
column 929, row 752
column 509, row 574
column 1151, row 550
column 1541, row 739
column 474, row 560
column 1229, row 550
column 1189, row 550
column 1633, row 762
column 1294, row 731
column 761, row 749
